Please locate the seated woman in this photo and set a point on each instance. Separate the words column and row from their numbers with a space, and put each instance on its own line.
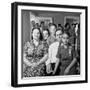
column 52, row 62
column 67, row 57
column 35, row 55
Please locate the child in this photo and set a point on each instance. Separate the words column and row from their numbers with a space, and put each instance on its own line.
column 52, row 62
column 52, row 30
column 45, row 34
column 67, row 57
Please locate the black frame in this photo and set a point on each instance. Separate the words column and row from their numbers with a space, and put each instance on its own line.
column 14, row 43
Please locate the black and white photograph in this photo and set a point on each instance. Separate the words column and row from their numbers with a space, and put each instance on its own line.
column 50, row 48
column 50, row 44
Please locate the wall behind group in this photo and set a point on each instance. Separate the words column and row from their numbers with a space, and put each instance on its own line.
column 58, row 18
column 25, row 26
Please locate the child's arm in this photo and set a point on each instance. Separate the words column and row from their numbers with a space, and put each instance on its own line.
column 74, row 55
column 48, row 62
column 72, row 63
column 56, row 66
column 70, row 66
column 57, row 61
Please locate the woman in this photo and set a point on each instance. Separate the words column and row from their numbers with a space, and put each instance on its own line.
column 35, row 55
column 45, row 34
column 67, row 57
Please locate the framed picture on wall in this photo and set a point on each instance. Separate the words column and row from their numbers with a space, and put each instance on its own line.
column 44, row 53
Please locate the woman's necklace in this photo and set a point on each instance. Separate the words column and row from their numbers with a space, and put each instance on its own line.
column 36, row 43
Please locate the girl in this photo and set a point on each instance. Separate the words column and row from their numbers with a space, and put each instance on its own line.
column 52, row 63
column 67, row 57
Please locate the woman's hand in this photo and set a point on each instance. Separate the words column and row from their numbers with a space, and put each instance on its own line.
column 66, row 71
column 34, row 65
column 26, row 61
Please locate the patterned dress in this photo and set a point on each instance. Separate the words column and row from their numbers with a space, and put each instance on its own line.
column 33, row 55
column 66, row 56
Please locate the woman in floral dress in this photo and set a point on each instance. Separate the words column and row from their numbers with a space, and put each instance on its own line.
column 35, row 55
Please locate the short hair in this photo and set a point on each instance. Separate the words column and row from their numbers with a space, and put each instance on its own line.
column 67, row 25
column 59, row 30
column 52, row 24
column 67, row 33
column 41, row 37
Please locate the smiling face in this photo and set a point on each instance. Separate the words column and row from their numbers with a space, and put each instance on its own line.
column 59, row 35
column 52, row 29
column 36, row 34
column 45, row 35
column 65, row 38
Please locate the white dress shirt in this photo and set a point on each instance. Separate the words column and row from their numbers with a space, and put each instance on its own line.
column 53, row 48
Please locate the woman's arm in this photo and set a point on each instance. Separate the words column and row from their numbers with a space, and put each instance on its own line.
column 26, row 60
column 43, row 59
column 45, row 53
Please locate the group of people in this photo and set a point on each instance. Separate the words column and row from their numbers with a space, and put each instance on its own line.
column 53, row 51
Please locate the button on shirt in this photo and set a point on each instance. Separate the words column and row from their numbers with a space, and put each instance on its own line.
column 53, row 48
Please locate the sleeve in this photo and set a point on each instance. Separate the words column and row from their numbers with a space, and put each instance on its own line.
column 26, row 46
column 58, row 53
column 27, row 52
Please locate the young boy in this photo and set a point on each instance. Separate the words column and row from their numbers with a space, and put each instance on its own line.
column 52, row 62
column 52, row 30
